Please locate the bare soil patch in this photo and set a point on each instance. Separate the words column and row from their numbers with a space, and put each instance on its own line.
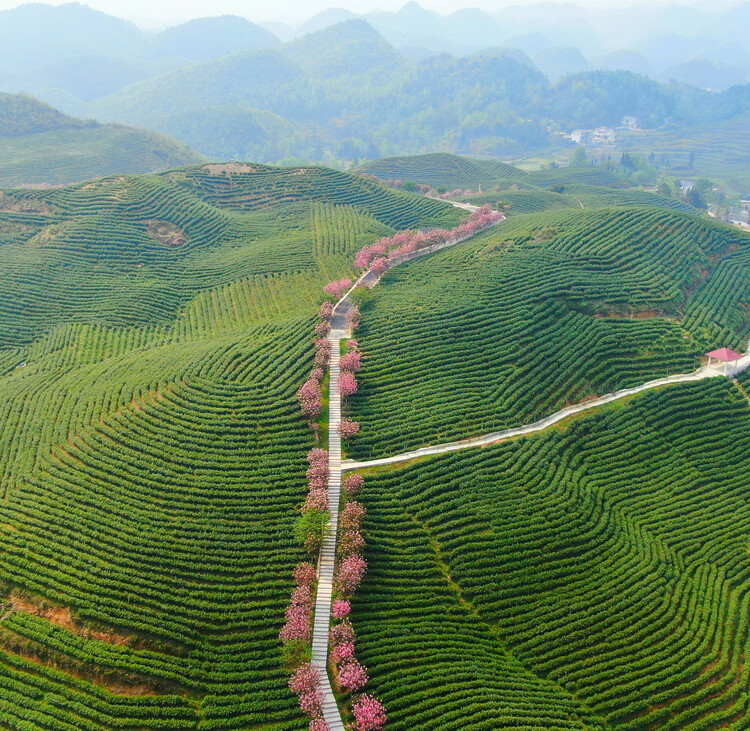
column 166, row 233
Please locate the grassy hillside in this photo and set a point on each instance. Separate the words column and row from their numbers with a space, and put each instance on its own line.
column 593, row 577
column 155, row 331
column 443, row 170
column 41, row 146
column 545, row 310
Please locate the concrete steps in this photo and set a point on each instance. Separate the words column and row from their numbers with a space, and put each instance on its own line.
column 327, row 558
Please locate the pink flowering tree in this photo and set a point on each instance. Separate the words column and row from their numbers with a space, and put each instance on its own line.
column 341, row 608
column 338, row 288
column 343, row 652
column 369, row 713
column 342, row 632
column 351, row 362
column 352, row 675
column 305, row 574
column 310, row 398
column 326, row 310
column 347, row 384
column 348, row 428
column 353, row 484
column 353, row 515
column 319, row 724
column 353, row 317
column 350, row 573
column 379, row 265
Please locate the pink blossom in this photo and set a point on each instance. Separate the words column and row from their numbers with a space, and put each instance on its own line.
column 353, row 484
column 352, row 344
column 352, row 675
column 311, row 703
column 351, row 362
column 313, row 543
column 319, row 724
column 348, row 428
column 298, row 624
column 317, row 499
column 350, row 573
column 341, row 608
column 351, row 542
column 305, row 574
column 369, row 713
column 352, row 316
column 379, row 265
column 317, row 374
column 318, row 471
column 342, row 652
column 363, row 258
column 338, row 288
column 353, row 515
column 326, row 310
column 342, row 632
column 305, row 679
column 322, row 328
column 303, row 595
column 347, row 384
column 309, row 397
column 318, row 456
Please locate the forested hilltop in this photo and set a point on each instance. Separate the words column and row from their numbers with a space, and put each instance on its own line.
column 344, row 93
column 41, row 146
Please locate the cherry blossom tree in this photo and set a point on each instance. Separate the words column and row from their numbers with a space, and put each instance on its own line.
column 353, row 515
column 352, row 675
column 348, row 384
column 353, row 484
column 338, row 288
column 350, row 573
column 379, row 265
column 343, row 652
column 341, row 608
column 353, row 316
column 305, row 574
column 351, row 362
column 319, row 724
column 326, row 310
column 348, row 428
column 342, row 632
column 369, row 713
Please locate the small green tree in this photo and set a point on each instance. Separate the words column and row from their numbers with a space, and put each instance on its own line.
column 579, row 157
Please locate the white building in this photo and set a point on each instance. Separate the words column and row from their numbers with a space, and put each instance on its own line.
column 630, row 122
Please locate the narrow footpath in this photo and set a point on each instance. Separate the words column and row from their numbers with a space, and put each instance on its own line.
column 327, row 559
column 542, row 424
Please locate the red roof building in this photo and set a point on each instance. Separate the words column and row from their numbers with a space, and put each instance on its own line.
column 724, row 354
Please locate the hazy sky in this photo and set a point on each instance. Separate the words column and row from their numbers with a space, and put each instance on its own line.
column 149, row 12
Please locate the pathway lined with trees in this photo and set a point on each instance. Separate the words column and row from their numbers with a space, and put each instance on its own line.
column 340, row 329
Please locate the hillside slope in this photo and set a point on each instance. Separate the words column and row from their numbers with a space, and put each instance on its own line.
column 594, row 577
column 154, row 332
column 41, row 146
column 545, row 310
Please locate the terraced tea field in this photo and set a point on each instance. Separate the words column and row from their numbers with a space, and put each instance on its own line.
column 591, row 577
column 152, row 455
column 443, row 170
column 543, row 311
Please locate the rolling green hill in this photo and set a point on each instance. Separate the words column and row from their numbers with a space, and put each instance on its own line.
column 443, row 170
column 41, row 146
column 545, row 310
column 593, row 577
column 155, row 330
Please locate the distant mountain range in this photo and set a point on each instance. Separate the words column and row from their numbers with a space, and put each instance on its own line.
column 345, row 88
